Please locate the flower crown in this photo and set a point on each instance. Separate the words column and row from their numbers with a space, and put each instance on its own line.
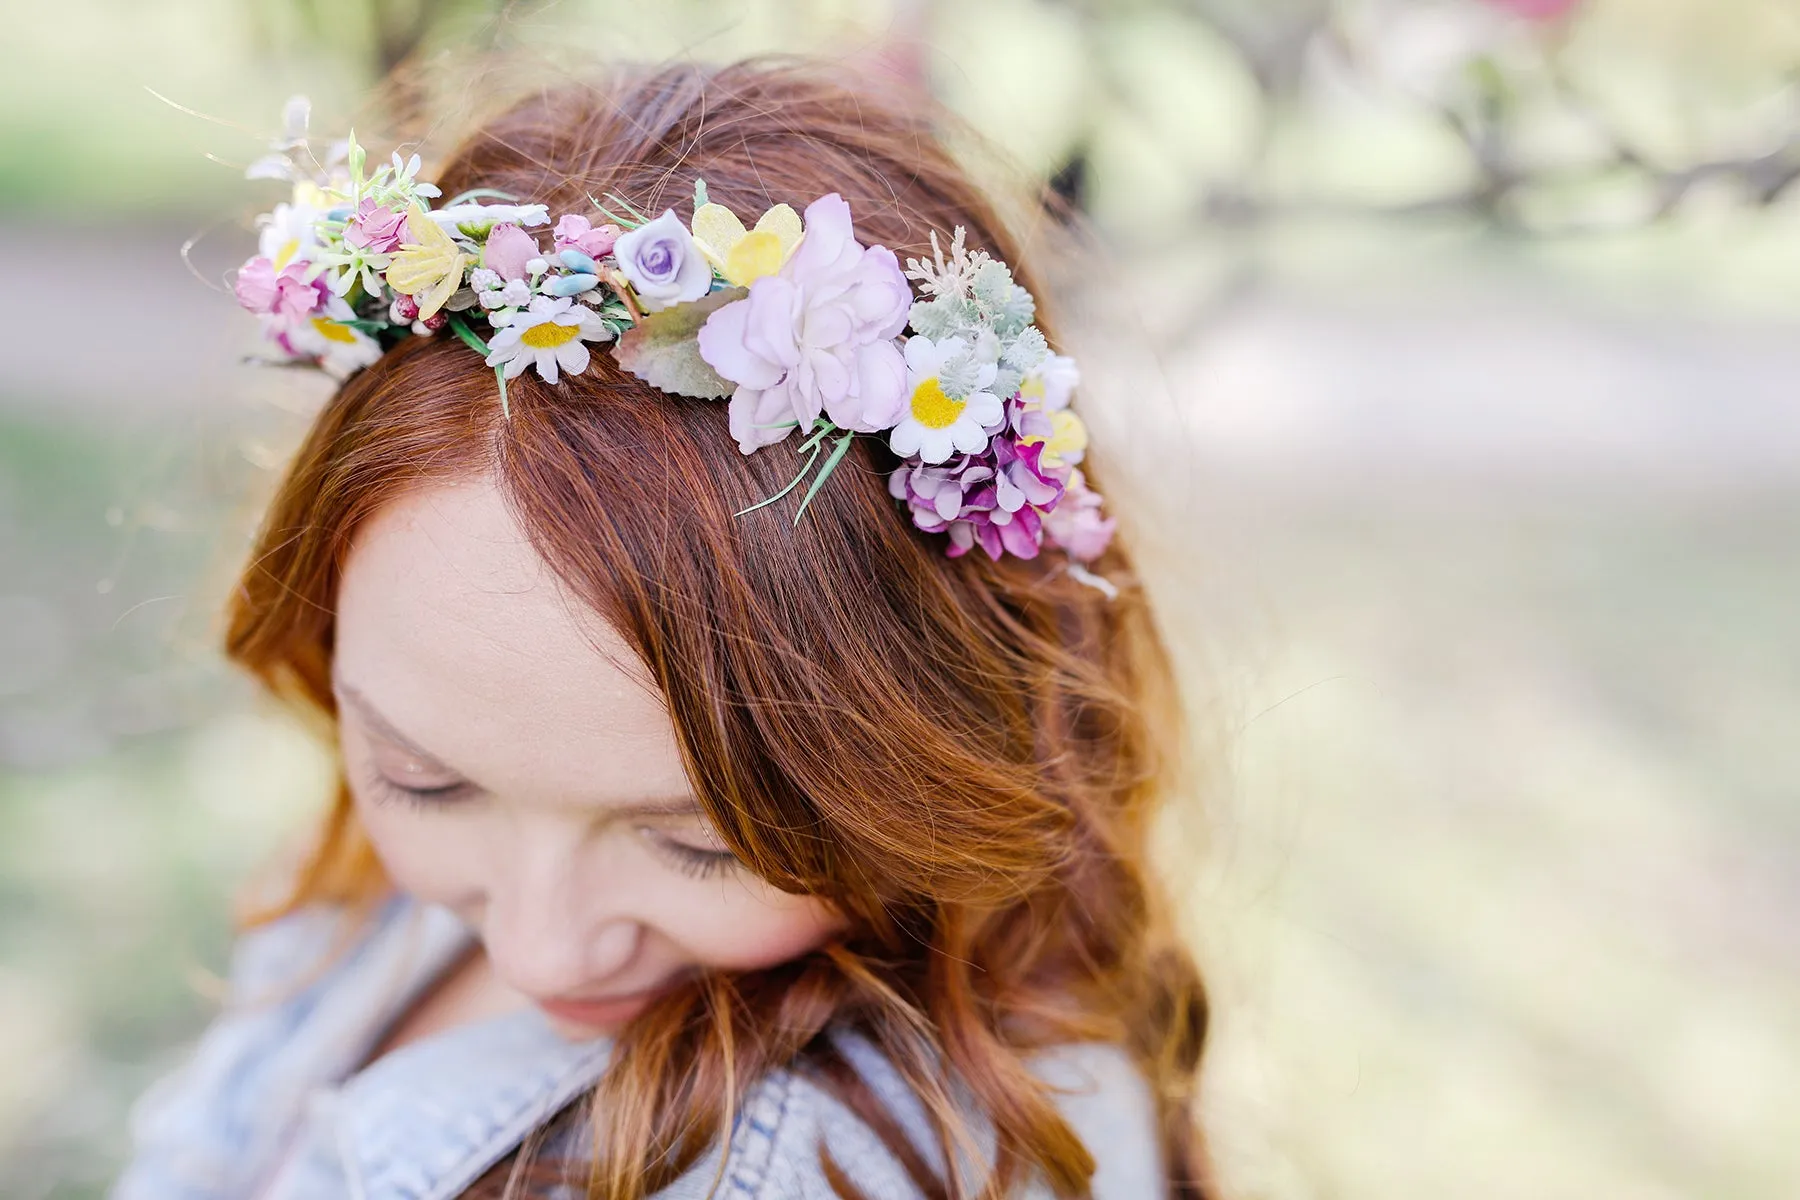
column 793, row 319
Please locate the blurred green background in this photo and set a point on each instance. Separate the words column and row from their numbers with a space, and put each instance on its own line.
column 1444, row 354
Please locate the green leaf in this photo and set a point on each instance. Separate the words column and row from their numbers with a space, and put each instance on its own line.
column 700, row 201
column 663, row 350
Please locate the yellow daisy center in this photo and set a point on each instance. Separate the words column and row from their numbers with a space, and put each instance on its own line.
column 332, row 331
column 934, row 410
column 549, row 335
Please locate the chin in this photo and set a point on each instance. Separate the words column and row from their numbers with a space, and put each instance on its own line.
column 589, row 1020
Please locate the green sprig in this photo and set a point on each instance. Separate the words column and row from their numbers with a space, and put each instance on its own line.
column 831, row 464
column 475, row 343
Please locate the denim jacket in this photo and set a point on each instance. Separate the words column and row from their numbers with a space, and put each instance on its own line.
column 272, row 1105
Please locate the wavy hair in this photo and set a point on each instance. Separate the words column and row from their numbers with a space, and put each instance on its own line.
column 963, row 756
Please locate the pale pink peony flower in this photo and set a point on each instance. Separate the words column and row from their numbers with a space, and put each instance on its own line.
column 815, row 338
column 507, row 251
column 575, row 232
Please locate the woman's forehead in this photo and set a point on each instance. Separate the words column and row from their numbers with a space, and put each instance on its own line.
column 452, row 625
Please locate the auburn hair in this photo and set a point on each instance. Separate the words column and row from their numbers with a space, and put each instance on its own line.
column 963, row 756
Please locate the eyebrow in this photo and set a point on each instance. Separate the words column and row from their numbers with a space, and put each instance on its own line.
column 381, row 725
column 668, row 806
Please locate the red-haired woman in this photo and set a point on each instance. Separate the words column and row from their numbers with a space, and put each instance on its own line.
column 685, row 850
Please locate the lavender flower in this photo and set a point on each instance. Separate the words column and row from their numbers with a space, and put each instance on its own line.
column 662, row 263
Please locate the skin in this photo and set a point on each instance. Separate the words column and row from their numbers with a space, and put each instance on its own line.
column 511, row 760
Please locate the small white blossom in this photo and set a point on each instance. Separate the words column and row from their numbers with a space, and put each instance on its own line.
column 548, row 336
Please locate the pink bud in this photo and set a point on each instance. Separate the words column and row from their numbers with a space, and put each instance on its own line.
column 436, row 320
column 406, row 307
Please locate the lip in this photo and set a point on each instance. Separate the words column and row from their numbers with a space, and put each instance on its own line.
column 598, row 1014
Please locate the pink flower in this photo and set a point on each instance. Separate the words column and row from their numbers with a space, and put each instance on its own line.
column 578, row 233
column 1537, row 10
column 286, row 294
column 998, row 500
column 1076, row 524
column 376, row 228
column 816, row 337
column 509, row 248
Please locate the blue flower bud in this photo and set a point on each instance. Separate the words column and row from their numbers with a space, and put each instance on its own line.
column 575, row 260
column 572, row 285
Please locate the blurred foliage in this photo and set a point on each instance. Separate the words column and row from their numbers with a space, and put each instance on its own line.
column 1155, row 111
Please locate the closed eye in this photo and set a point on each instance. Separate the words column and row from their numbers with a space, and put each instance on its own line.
column 690, row 860
column 386, row 790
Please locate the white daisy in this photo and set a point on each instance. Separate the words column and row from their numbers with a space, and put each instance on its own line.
column 547, row 335
column 340, row 348
column 289, row 234
column 936, row 427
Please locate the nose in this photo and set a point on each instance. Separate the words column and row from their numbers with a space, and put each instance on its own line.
column 546, row 936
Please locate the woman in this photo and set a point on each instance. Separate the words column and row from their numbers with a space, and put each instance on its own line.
column 699, row 833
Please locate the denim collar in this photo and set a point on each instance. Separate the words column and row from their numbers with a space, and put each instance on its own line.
column 425, row 1120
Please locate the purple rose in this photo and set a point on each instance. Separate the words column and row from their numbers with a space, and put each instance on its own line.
column 815, row 338
column 662, row 263
column 376, row 228
column 507, row 251
column 575, row 232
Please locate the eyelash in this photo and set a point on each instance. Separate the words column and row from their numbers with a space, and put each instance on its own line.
column 690, row 861
column 388, row 791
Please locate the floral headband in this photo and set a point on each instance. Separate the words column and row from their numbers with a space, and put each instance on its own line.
column 793, row 319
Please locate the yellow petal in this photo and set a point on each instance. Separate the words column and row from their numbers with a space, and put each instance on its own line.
column 1067, row 436
column 440, row 293
column 755, row 255
column 311, row 195
column 430, row 269
column 716, row 230
column 784, row 223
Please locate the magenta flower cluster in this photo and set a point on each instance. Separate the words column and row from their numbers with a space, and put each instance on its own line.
column 1005, row 501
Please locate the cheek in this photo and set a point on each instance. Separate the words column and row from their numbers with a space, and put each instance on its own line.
column 424, row 855
column 751, row 927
